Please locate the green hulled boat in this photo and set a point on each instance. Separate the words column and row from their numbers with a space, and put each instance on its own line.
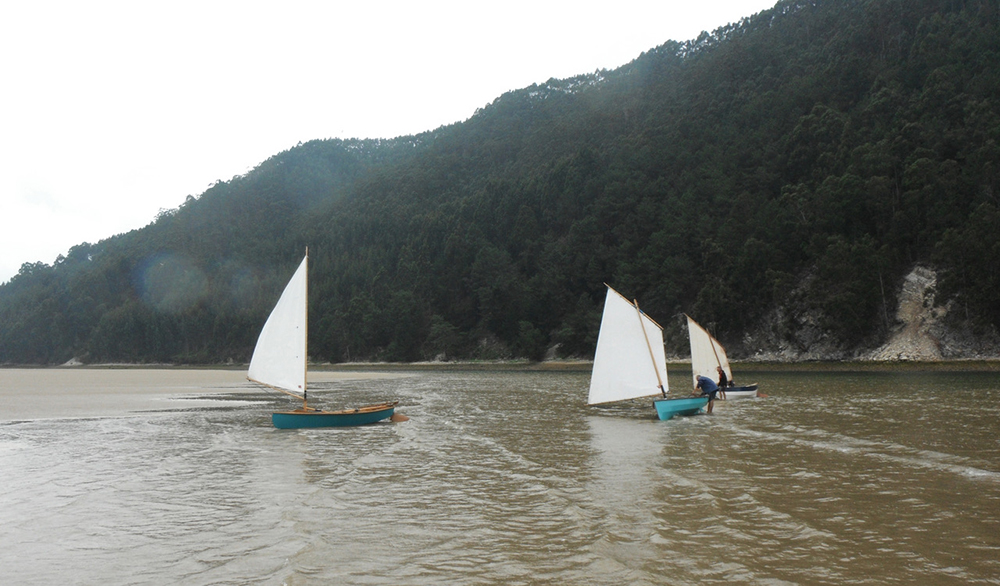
column 280, row 362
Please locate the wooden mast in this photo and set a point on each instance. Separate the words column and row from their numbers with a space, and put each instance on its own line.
column 649, row 346
column 713, row 341
column 305, row 325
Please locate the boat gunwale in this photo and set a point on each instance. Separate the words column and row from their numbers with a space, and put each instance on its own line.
column 351, row 411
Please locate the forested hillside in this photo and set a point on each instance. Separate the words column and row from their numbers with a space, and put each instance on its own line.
column 805, row 158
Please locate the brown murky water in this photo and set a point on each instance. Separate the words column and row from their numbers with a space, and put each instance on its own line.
column 502, row 478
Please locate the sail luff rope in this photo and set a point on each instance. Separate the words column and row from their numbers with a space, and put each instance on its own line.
column 305, row 322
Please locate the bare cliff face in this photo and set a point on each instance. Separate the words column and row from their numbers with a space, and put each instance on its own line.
column 924, row 330
column 920, row 331
column 918, row 328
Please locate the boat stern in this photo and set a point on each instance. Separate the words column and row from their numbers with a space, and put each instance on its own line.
column 667, row 408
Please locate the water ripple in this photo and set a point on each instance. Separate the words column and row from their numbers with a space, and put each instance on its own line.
column 506, row 477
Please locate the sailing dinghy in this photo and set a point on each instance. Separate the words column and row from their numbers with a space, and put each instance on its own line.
column 630, row 363
column 280, row 362
column 707, row 355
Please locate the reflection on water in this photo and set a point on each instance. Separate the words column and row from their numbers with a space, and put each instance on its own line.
column 507, row 477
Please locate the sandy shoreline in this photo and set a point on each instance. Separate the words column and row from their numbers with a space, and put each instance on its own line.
column 52, row 393
column 119, row 390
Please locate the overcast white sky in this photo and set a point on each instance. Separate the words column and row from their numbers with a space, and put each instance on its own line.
column 113, row 110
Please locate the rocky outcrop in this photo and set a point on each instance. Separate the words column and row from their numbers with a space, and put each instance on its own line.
column 791, row 335
column 922, row 330
column 916, row 335
column 791, row 332
column 926, row 331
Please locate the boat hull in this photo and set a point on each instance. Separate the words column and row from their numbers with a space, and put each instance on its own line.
column 309, row 418
column 743, row 392
column 667, row 408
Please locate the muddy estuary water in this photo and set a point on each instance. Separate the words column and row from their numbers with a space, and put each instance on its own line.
column 168, row 476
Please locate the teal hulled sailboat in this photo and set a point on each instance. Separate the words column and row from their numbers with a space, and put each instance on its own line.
column 630, row 362
column 280, row 362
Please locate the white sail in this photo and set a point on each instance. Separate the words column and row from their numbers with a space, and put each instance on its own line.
column 279, row 359
column 623, row 367
column 707, row 354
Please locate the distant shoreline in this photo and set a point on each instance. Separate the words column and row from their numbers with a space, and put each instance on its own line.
column 954, row 365
column 977, row 365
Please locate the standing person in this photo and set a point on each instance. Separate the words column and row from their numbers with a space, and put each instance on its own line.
column 708, row 387
column 723, row 382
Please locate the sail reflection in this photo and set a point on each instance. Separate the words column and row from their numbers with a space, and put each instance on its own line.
column 623, row 450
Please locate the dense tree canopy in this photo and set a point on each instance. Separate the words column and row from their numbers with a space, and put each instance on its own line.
column 806, row 157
